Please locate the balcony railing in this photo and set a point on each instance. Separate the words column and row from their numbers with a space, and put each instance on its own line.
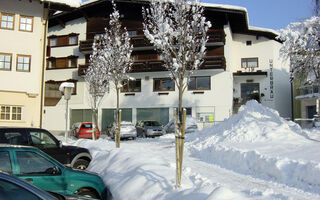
column 215, row 36
column 308, row 90
column 210, row 62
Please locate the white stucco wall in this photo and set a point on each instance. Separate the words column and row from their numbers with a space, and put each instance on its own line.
column 21, row 42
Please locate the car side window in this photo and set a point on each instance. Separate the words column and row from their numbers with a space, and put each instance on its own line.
column 42, row 139
column 33, row 163
column 14, row 137
column 12, row 191
column 5, row 162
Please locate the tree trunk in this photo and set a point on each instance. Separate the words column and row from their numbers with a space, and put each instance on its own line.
column 117, row 138
column 180, row 132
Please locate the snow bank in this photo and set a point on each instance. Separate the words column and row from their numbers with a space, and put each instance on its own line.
column 235, row 144
column 253, row 123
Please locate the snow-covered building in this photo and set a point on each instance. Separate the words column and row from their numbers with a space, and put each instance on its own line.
column 23, row 26
column 241, row 63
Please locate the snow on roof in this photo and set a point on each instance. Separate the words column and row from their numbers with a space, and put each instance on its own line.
column 71, row 3
column 254, row 28
column 224, row 6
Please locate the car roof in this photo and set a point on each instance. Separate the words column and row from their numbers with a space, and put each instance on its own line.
column 25, row 128
column 17, row 146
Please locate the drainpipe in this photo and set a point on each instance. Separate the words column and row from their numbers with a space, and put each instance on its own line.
column 46, row 7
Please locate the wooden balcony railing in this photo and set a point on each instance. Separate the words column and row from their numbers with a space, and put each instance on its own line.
column 210, row 62
column 215, row 36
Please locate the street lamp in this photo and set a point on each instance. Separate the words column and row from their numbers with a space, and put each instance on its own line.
column 66, row 88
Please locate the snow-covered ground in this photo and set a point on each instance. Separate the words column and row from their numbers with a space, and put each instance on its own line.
column 255, row 154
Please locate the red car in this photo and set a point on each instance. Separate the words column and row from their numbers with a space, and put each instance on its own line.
column 84, row 130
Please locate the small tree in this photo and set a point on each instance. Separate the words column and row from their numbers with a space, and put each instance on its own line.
column 178, row 31
column 116, row 57
column 96, row 80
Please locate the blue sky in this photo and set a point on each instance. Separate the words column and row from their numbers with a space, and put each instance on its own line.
column 274, row 14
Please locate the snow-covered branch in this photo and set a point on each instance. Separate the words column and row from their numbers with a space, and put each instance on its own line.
column 302, row 47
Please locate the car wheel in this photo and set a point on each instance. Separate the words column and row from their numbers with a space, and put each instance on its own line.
column 80, row 164
column 88, row 193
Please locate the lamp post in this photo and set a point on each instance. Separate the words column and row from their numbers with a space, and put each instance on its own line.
column 66, row 88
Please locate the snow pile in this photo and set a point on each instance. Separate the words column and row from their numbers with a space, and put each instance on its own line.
column 253, row 142
column 253, row 123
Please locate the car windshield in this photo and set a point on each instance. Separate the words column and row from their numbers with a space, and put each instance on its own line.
column 86, row 125
column 152, row 123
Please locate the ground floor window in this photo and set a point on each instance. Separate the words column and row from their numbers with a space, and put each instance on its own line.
column 10, row 113
column 158, row 114
column 109, row 115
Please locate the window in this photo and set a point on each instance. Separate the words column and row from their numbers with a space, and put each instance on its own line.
column 63, row 40
column 10, row 190
column 42, row 140
column 11, row 113
column 163, row 84
column 5, row 61
column 15, row 137
column 5, row 162
column 7, row 21
column 249, row 63
column 26, row 23
column 33, row 163
column 131, row 86
column 62, row 63
column 23, row 63
column 199, row 83
column 53, row 95
column 248, row 42
column 132, row 33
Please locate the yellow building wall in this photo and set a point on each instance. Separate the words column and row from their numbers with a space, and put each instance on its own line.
column 30, row 104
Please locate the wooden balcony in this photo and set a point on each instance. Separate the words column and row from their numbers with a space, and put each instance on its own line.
column 140, row 41
column 210, row 62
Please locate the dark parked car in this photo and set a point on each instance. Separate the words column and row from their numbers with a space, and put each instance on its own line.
column 72, row 156
column 36, row 167
column 13, row 188
column 149, row 128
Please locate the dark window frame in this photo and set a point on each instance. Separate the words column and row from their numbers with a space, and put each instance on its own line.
column 195, row 83
column 126, row 86
column 64, row 59
column 161, row 89
column 59, row 82
column 63, row 40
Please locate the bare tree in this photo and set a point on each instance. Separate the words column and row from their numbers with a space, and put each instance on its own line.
column 115, row 56
column 178, row 31
column 96, row 80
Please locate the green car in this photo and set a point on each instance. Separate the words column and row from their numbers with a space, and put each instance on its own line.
column 39, row 169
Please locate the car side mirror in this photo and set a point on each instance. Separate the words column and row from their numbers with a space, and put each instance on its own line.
column 60, row 144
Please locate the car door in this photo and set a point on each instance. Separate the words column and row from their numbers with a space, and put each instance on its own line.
column 49, row 144
column 40, row 171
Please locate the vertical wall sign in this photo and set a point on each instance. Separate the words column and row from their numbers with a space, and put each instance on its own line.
column 271, row 78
